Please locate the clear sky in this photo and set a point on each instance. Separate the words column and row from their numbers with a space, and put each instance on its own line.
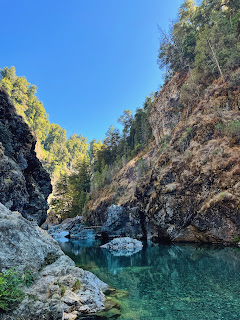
column 90, row 59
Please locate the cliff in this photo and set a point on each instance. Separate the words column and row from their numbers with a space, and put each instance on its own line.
column 24, row 184
column 189, row 189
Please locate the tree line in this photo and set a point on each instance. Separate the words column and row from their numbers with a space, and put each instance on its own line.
column 78, row 168
column 205, row 39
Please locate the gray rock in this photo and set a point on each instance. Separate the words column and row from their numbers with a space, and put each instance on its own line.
column 123, row 246
column 60, row 290
column 122, row 222
column 72, row 228
column 24, row 184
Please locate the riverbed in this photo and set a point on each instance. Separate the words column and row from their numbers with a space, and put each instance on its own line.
column 167, row 282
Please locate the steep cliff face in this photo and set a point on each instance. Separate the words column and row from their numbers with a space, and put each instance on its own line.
column 190, row 190
column 166, row 113
column 24, row 184
column 193, row 191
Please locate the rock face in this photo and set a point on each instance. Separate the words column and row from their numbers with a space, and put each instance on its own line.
column 122, row 222
column 60, row 290
column 24, row 184
column 166, row 113
column 191, row 192
column 123, row 246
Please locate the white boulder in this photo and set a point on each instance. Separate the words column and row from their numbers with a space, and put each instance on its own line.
column 123, row 246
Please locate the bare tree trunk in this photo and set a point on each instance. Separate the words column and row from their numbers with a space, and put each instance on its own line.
column 216, row 60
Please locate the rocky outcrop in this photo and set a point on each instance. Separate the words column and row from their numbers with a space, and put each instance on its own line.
column 73, row 228
column 24, row 184
column 123, row 246
column 60, row 290
column 122, row 222
column 166, row 111
column 190, row 190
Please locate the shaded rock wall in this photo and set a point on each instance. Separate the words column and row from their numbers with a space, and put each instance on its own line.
column 24, row 184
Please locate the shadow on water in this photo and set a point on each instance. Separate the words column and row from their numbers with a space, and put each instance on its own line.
column 182, row 282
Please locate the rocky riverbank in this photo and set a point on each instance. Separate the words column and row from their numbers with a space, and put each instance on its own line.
column 59, row 289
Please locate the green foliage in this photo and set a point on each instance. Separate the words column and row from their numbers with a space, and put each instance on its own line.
column 142, row 167
column 63, row 197
column 28, row 278
column 204, row 38
column 56, row 146
column 77, row 147
column 77, row 285
column 10, row 289
column 61, row 287
column 72, row 191
column 230, row 129
column 50, row 259
column 108, row 158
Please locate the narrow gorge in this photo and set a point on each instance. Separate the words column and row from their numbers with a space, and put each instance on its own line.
column 144, row 222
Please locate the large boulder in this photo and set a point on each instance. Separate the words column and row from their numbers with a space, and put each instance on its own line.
column 60, row 290
column 24, row 184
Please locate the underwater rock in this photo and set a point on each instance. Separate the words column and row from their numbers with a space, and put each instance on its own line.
column 123, row 246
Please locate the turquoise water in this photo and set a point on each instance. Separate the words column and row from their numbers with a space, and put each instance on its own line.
column 168, row 282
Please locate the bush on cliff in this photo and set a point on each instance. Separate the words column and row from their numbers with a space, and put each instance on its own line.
column 10, row 289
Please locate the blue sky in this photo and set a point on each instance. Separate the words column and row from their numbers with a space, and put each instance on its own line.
column 90, row 59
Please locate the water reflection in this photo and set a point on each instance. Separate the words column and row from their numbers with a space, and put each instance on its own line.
column 168, row 281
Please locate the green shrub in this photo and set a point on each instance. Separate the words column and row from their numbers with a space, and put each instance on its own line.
column 61, row 287
column 235, row 78
column 142, row 167
column 50, row 259
column 164, row 142
column 10, row 289
column 77, row 285
column 230, row 129
column 28, row 278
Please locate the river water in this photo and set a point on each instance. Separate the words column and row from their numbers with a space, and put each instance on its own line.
column 168, row 282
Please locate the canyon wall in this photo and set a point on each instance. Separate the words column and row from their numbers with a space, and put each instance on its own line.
column 190, row 190
column 24, row 184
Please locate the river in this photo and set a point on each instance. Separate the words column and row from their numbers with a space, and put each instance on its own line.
column 168, row 282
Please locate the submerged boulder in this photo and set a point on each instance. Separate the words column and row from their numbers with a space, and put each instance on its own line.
column 60, row 290
column 123, row 246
